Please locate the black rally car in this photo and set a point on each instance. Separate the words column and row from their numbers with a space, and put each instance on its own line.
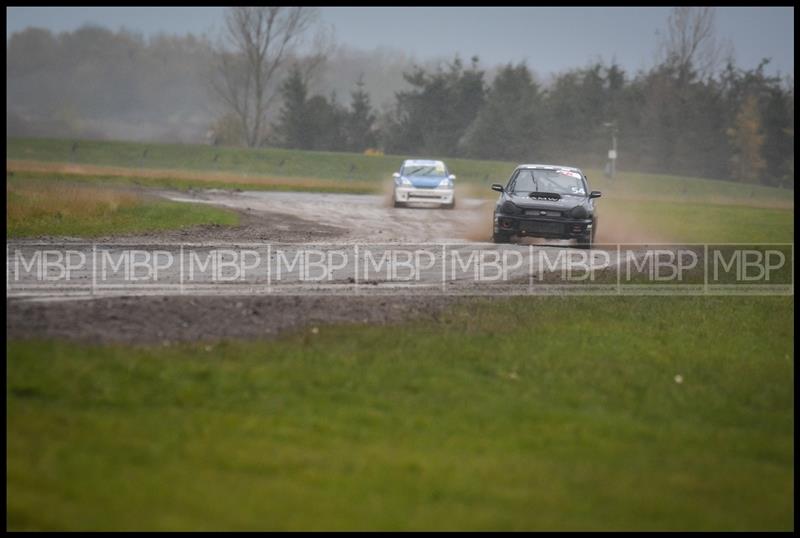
column 550, row 201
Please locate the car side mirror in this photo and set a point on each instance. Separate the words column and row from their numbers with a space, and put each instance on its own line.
column 595, row 194
column 451, row 177
column 396, row 175
column 497, row 187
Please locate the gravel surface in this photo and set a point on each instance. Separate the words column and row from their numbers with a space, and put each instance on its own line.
column 265, row 217
column 290, row 219
column 171, row 319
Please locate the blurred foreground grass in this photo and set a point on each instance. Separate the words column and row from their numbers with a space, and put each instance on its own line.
column 528, row 413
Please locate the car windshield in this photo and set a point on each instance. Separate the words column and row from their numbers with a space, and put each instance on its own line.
column 435, row 170
column 560, row 181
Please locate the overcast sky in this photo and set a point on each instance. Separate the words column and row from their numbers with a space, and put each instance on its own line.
column 549, row 39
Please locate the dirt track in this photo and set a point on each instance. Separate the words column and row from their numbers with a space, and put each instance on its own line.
column 266, row 217
column 357, row 217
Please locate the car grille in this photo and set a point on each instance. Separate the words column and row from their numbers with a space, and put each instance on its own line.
column 543, row 227
column 543, row 212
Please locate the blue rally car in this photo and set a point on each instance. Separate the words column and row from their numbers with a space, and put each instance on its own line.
column 424, row 181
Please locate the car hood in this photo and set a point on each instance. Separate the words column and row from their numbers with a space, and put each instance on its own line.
column 565, row 203
column 425, row 182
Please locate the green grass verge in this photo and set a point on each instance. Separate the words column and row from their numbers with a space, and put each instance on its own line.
column 693, row 222
column 63, row 208
column 145, row 217
column 177, row 182
column 341, row 168
column 635, row 221
column 635, row 207
column 530, row 413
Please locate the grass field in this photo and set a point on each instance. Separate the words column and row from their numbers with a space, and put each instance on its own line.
column 689, row 222
column 37, row 207
column 621, row 220
column 181, row 180
column 563, row 413
column 500, row 416
column 252, row 167
column 636, row 207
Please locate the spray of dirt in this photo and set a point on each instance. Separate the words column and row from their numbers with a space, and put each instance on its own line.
column 387, row 192
column 613, row 227
column 478, row 227
column 475, row 223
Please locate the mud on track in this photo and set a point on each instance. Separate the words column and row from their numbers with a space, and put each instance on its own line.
column 266, row 217
column 167, row 320
column 354, row 217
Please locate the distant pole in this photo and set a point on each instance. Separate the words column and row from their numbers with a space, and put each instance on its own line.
column 614, row 153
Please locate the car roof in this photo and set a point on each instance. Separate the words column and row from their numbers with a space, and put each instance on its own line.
column 421, row 162
column 549, row 167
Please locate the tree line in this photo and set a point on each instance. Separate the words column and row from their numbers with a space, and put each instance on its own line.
column 682, row 116
column 691, row 113
column 96, row 83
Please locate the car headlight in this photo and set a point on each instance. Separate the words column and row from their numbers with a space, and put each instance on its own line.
column 509, row 208
column 579, row 212
column 405, row 181
column 446, row 183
